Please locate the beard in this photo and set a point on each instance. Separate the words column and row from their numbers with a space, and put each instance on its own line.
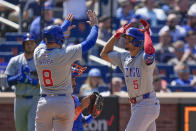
column 172, row 28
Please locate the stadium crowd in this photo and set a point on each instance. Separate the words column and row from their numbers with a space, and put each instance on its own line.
column 173, row 32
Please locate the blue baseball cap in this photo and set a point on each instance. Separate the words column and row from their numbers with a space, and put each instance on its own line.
column 48, row 5
column 94, row 72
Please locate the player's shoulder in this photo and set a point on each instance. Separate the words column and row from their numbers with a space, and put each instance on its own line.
column 72, row 47
column 16, row 58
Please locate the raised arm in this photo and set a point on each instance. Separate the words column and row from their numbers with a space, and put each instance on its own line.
column 92, row 37
column 110, row 43
column 149, row 50
column 66, row 26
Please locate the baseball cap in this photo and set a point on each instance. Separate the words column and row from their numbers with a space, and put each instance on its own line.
column 192, row 10
column 94, row 73
column 48, row 5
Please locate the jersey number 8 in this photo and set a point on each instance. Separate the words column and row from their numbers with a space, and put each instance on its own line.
column 47, row 78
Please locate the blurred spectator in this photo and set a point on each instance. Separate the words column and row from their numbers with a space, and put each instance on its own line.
column 48, row 20
column 160, row 85
column 181, row 7
column 104, row 34
column 176, row 31
column 92, row 83
column 191, row 43
column 164, row 49
column 116, row 87
column 191, row 22
column 152, row 13
column 125, row 12
column 178, row 51
column 104, row 28
column 76, row 7
column 184, row 77
column 32, row 10
column 103, row 7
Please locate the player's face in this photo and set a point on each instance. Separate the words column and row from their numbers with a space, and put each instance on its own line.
column 129, row 42
column 29, row 46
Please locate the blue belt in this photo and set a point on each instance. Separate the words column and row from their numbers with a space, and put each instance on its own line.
column 134, row 99
column 44, row 95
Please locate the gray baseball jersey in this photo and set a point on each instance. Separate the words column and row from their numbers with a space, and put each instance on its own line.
column 137, row 74
column 14, row 68
column 54, row 68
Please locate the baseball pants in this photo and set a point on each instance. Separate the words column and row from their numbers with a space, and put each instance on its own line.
column 144, row 114
column 24, row 113
column 55, row 113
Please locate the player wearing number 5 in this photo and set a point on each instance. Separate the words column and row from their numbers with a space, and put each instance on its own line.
column 55, row 110
column 137, row 66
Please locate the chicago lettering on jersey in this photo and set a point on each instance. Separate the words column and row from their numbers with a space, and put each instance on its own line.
column 132, row 72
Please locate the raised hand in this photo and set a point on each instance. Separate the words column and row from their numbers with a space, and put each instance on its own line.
column 146, row 26
column 121, row 30
column 69, row 17
column 92, row 18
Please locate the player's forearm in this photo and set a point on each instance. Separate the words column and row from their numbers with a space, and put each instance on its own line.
column 12, row 80
column 148, row 46
column 65, row 25
column 90, row 40
column 108, row 48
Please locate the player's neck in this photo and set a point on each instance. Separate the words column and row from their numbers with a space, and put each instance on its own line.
column 28, row 55
column 135, row 51
column 53, row 45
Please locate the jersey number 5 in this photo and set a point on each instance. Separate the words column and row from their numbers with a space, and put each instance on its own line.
column 135, row 84
column 47, row 78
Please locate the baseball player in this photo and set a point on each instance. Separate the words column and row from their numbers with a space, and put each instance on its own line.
column 55, row 108
column 21, row 72
column 137, row 66
column 79, row 118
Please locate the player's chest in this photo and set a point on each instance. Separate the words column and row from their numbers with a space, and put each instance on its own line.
column 132, row 68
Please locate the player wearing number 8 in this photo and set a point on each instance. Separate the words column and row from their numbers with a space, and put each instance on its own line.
column 137, row 65
column 55, row 110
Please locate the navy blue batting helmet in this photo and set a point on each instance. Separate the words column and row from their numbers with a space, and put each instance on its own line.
column 53, row 34
column 28, row 37
column 138, row 35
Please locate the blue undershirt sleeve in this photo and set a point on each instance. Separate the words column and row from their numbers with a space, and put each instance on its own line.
column 12, row 80
column 65, row 25
column 90, row 40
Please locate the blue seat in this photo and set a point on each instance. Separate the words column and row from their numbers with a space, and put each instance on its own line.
column 155, row 39
column 14, row 36
column 155, row 30
column 5, row 57
column 192, row 69
column 166, row 70
column 181, row 88
column 14, row 47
